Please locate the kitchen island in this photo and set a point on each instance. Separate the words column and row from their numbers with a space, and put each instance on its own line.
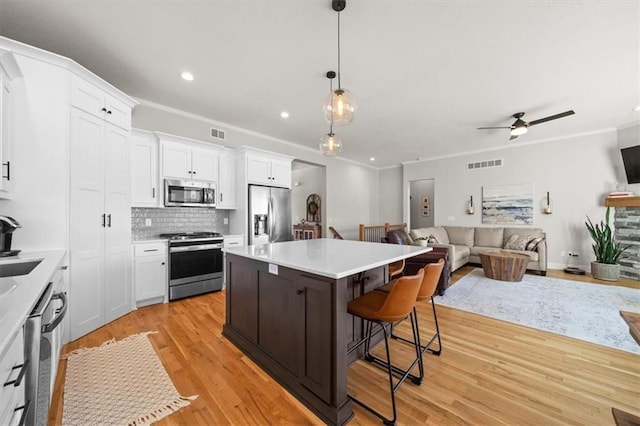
column 286, row 308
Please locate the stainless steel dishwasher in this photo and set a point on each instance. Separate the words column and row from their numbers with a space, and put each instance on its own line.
column 41, row 349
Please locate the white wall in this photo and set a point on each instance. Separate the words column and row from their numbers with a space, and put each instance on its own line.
column 351, row 189
column 390, row 196
column 578, row 172
column 306, row 181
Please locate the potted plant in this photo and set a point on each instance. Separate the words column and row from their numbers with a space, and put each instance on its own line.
column 607, row 251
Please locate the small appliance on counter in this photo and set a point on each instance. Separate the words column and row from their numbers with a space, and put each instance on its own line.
column 7, row 226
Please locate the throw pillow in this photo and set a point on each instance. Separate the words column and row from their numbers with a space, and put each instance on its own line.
column 533, row 244
column 432, row 239
column 517, row 242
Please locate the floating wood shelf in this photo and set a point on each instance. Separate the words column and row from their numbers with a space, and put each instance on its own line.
column 622, row 201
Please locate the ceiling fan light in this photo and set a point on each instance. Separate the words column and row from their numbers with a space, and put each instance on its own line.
column 518, row 131
column 340, row 107
column 330, row 145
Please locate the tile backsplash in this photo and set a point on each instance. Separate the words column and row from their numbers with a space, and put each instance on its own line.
column 176, row 219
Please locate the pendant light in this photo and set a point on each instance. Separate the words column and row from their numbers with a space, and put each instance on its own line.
column 330, row 144
column 340, row 106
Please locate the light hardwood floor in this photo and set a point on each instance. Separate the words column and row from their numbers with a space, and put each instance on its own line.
column 490, row 372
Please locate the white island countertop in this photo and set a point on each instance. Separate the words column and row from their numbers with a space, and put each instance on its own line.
column 330, row 258
column 19, row 294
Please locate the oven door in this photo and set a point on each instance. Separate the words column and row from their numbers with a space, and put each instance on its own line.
column 194, row 261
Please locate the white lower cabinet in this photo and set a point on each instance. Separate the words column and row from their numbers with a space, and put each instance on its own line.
column 12, row 391
column 150, row 272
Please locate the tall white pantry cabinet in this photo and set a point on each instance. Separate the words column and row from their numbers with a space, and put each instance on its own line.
column 71, row 149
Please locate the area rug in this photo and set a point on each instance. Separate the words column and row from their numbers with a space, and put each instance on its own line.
column 581, row 310
column 118, row 383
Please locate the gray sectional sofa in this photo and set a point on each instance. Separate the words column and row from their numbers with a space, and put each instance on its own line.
column 465, row 243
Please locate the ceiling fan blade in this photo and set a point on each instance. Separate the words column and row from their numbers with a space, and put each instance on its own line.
column 513, row 137
column 485, row 128
column 551, row 117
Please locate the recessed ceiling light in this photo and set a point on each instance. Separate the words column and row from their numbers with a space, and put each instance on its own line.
column 372, row 159
column 284, row 114
column 187, row 76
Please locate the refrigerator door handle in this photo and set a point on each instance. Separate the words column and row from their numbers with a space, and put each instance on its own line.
column 271, row 219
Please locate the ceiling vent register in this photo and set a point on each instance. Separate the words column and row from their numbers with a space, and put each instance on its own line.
column 484, row 164
column 218, row 134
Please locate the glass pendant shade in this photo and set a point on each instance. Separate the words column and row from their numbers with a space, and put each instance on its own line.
column 340, row 107
column 330, row 145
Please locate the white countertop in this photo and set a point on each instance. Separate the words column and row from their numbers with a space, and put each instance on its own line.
column 328, row 257
column 23, row 291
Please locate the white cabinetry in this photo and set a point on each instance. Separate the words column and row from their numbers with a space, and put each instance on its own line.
column 96, row 102
column 8, row 71
column 100, row 217
column 227, row 181
column 150, row 269
column 144, row 169
column 269, row 170
column 12, row 391
column 183, row 161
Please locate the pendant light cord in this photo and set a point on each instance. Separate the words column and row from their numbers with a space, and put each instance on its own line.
column 339, row 85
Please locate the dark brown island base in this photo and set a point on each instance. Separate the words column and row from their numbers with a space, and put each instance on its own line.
column 286, row 309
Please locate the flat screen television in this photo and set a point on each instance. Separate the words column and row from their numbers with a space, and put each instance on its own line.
column 631, row 160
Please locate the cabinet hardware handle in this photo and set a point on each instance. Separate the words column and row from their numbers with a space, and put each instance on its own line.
column 109, row 220
column 18, row 380
column 64, row 267
column 147, row 250
column 8, row 176
column 103, row 109
column 300, row 291
column 109, row 112
column 193, row 172
column 104, row 220
column 24, row 408
column 221, row 197
column 153, row 193
column 162, row 263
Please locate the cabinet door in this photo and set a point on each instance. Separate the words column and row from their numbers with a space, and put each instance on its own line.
column 150, row 277
column 258, row 170
column 281, row 173
column 204, row 164
column 117, row 283
column 176, row 161
column 242, row 297
column 314, row 296
column 279, row 313
column 227, row 182
column 6, row 181
column 86, row 296
column 117, row 113
column 88, row 98
column 144, row 170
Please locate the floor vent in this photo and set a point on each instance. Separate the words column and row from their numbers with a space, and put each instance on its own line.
column 484, row 164
column 218, row 134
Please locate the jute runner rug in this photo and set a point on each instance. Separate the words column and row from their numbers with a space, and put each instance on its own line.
column 118, row 383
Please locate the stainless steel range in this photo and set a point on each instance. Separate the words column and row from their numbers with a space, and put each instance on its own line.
column 195, row 263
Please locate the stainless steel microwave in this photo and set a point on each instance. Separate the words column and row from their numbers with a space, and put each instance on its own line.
column 189, row 193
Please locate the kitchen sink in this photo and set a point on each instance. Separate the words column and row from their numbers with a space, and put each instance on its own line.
column 18, row 268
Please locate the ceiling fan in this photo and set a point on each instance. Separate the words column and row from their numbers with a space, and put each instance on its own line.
column 520, row 127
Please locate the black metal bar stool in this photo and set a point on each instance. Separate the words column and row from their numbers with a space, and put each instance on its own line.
column 432, row 272
column 387, row 308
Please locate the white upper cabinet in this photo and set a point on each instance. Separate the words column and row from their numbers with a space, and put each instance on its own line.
column 9, row 71
column 227, row 181
column 268, row 169
column 144, row 169
column 91, row 99
column 184, row 160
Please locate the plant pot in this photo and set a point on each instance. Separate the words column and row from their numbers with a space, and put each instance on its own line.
column 605, row 271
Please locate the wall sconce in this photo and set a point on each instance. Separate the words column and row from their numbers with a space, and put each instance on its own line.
column 546, row 206
column 470, row 205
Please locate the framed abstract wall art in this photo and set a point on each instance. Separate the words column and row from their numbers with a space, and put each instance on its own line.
column 508, row 204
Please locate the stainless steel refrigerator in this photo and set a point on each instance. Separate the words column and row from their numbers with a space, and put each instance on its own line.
column 269, row 214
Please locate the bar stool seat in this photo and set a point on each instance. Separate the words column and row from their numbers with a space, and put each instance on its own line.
column 381, row 308
column 432, row 272
column 396, row 268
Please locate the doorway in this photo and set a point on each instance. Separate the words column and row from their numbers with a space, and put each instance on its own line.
column 421, row 203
